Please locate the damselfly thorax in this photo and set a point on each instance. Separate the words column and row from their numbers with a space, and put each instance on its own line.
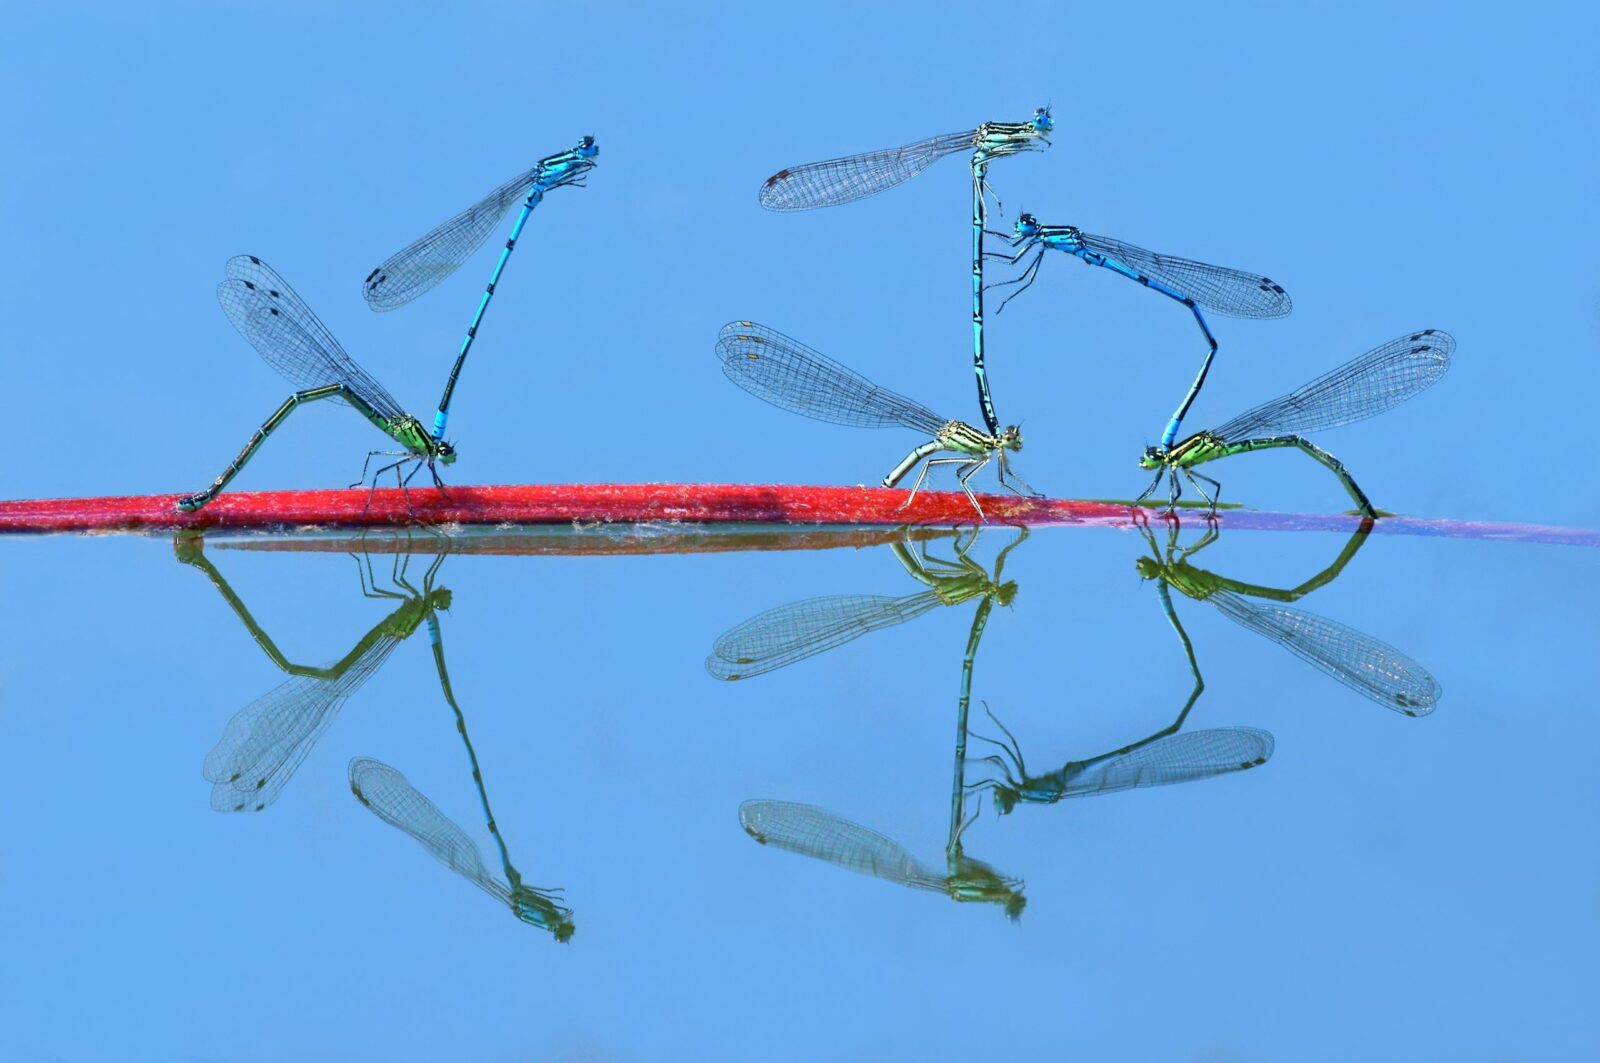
column 412, row 434
column 994, row 140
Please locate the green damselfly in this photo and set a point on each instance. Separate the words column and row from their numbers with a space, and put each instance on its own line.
column 1377, row 381
column 791, row 633
column 792, row 376
column 284, row 331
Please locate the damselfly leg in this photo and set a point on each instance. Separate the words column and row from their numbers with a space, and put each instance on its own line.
column 362, row 481
column 977, row 464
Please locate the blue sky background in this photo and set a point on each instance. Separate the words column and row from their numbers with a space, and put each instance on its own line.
column 1384, row 888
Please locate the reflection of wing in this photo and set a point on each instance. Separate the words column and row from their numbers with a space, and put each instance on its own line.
column 827, row 184
column 267, row 739
column 431, row 258
column 817, row 833
column 393, row 799
column 1176, row 758
column 1373, row 669
column 1227, row 291
column 793, row 632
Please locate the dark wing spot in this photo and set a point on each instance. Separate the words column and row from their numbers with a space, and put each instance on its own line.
column 775, row 178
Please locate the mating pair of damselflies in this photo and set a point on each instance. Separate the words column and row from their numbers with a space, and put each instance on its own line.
column 1380, row 379
column 284, row 331
column 844, row 180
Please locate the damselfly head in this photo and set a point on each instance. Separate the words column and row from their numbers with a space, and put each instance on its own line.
column 441, row 598
column 1153, row 458
column 1006, row 593
column 1005, row 799
column 446, row 453
column 1011, row 438
column 1027, row 226
column 1149, row 568
column 587, row 148
column 1042, row 120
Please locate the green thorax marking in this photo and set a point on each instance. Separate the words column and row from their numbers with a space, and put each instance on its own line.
column 411, row 434
column 404, row 621
column 962, row 437
column 1198, row 449
column 1192, row 582
column 975, row 881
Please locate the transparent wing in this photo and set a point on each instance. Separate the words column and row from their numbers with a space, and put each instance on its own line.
column 836, row 181
column 1227, row 291
column 284, row 331
column 793, row 632
column 429, row 259
column 264, row 743
column 1177, row 758
column 790, row 375
column 1373, row 669
column 1377, row 381
column 393, row 799
column 817, row 833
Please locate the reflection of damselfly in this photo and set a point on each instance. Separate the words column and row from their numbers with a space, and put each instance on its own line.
column 793, row 632
column 393, row 799
column 1373, row 669
column 265, row 742
column 1160, row 759
column 1166, row 757
column 792, row 376
column 822, row 835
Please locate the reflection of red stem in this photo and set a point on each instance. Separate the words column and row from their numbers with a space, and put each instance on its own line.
column 597, row 504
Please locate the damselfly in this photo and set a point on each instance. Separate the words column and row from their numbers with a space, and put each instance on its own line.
column 284, row 331
column 1373, row 669
column 793, row 632
column 790, row 375
column 853, row 177
column 431, row 258
column 1194, row 284
column 1377, row 381
column 826, row 184
column 821, row 835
